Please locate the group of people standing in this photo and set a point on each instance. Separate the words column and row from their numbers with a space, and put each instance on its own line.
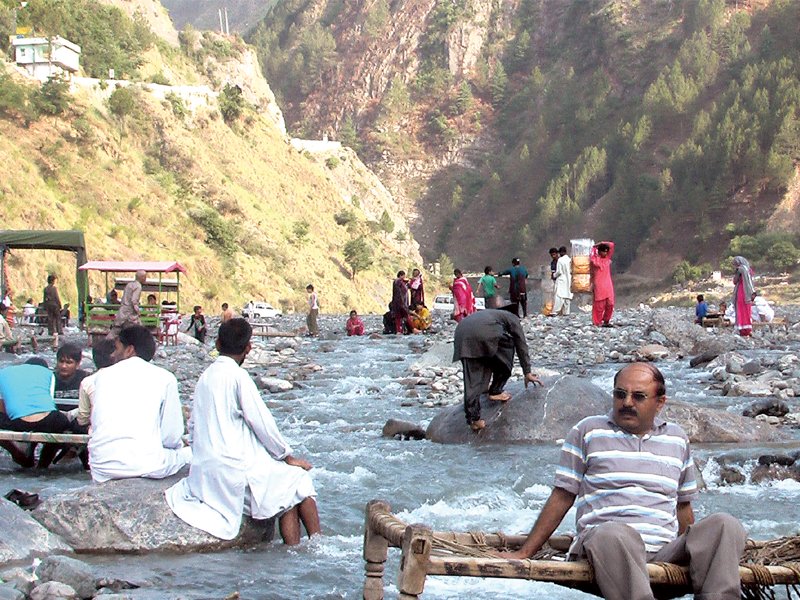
column 407, row 310
column 601, row 285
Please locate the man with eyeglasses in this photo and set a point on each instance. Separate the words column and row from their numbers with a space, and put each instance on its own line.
column 631, row 477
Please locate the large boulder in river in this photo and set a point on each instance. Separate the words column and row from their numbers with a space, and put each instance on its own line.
column 131, row 515
column 547, row 414
column 22, row 538
column 681, row 331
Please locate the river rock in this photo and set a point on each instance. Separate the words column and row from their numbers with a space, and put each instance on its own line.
column 22, row 538
column 20, row 579
column 274, row 384
column 403, row 430
column 73, row 572
column 771, row 407
column 54, row 590
column 131, row 515
column 773, row 473
column 652, row 352
column 682, row 332
column 548, row 413
column 703, row 358
column 731, row 476
column 9, row 592
column 708, row 425
column 747, row 388
column 776, row 459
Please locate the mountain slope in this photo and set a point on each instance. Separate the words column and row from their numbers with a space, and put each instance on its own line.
column 505, row 127
column 156, row 172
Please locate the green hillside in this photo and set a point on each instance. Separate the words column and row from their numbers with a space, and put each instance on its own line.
column 671, row 127
column 201, row 174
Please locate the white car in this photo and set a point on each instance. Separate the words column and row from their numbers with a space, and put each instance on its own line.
column 445, row 303
column 260, row 310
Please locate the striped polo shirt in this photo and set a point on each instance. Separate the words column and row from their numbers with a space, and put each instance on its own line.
column 622, row 477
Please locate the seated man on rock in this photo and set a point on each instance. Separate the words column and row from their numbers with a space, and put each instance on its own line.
column 633, row 477
column 68, row 375
column 28, row 405
column 136, row 416
column 242, row 463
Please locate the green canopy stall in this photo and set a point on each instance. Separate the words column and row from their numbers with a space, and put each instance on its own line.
column 69, row 241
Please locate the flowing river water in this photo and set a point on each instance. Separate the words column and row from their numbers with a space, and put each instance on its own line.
column 335, row 421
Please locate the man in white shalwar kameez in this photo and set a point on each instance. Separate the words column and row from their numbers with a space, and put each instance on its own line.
column 241, row 463
column 563, row 278
column 136, row 416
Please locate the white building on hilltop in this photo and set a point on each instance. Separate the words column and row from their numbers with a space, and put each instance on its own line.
column 44, row 57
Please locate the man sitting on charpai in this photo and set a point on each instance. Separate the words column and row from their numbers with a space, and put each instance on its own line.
column 631, row 476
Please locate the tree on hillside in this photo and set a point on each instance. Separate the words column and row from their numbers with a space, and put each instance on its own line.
column 387, row 225
column 498, row 84
column 53, row 97
column 231, row 102
column 358, row 254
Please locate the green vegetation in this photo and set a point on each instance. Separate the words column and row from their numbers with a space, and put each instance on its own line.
column 661, row 110
column 685, row 271
column 52, row 98
column 358, row 255
column 231, row 103
column 107, row 37
column 123, row 101
column 220, row 233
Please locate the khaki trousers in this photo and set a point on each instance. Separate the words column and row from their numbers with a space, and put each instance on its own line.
column 711, row 547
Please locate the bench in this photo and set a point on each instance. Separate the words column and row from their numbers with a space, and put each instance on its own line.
column 777, row 322
column 76, row 439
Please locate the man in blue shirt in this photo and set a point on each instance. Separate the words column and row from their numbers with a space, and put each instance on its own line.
column 28, row 405
column 517, row 288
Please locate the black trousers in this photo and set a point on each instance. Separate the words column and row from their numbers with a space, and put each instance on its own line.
column 54, row 422
column 481, row 375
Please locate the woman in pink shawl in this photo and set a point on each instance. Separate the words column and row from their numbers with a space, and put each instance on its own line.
column 602, row 286
column 463, row 300
column 743, row 294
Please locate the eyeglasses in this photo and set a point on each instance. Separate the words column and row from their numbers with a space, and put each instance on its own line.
column 620, row 394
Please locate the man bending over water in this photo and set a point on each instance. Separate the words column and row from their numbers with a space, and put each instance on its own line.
column 241, row 461
column 633, row 476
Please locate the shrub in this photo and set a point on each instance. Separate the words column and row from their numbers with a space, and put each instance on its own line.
column 345, row 217
column 13, row 97
column 231, row 103
column 783, row 255
column 220, row 234
column 176, row 102
column 122, row 102
column 686, row 271
column 53, row 97
column 300, row 230
column 332, row 163
column 386, row 222
column 159, row 79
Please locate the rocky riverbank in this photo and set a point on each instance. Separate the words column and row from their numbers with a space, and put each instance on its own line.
column 759, row 376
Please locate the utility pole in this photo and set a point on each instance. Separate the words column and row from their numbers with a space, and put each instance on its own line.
column 227, row 29
column 221, row 30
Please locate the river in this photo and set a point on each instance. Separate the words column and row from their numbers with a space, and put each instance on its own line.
column 335, row 421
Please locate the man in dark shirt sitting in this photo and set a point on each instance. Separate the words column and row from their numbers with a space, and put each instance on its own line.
column 68, row 376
